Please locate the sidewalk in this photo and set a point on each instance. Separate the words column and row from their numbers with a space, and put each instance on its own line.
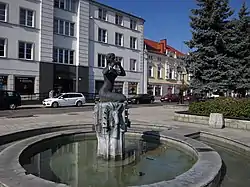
column 144, row 116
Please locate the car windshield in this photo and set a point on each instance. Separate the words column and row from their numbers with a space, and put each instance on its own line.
column 57, row 96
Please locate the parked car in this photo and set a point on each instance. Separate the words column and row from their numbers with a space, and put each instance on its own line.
column 9, row 99
column 170, row 98
column 141, row 98
column 65, row 99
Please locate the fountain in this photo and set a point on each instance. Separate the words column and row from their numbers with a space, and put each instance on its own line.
column 75, row 155
column 111, row 114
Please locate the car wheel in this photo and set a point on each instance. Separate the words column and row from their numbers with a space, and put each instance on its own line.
column 12, row 106
column 55, row 105
column 79, row 103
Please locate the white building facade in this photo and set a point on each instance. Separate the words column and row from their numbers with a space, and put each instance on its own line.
column 114, row 31
column 61, row 44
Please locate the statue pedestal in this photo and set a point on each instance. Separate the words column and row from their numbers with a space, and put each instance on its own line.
column 111, row 122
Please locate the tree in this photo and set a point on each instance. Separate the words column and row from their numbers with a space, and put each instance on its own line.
column 208, row 62
column 241, row 49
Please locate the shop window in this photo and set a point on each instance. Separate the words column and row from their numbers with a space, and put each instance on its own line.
column 118, row 87
column 132, row 88
column 3, row 82
column 24, row 85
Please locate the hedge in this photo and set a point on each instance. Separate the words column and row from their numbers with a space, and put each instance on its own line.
column 229, row 107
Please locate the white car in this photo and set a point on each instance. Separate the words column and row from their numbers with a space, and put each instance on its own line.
column 65, row 99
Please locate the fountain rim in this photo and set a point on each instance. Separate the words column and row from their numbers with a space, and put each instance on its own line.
column 204, row 172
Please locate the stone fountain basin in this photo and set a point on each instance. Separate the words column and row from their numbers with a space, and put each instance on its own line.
column 205, row 172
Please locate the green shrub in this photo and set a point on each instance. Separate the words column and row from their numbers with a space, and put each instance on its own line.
column 229, row 107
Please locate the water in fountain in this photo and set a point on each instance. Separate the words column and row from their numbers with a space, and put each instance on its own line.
column 75, row 162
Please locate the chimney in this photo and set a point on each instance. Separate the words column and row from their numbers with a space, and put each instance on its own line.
column 163, row 43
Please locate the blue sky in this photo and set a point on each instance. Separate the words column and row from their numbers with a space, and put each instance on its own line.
column 164, row 18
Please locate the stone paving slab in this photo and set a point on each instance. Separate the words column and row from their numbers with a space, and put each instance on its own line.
column 146, row 115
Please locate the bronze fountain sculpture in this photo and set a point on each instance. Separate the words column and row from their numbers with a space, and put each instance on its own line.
column 111, row 114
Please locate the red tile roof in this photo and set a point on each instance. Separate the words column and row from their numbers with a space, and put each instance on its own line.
column 160, row 47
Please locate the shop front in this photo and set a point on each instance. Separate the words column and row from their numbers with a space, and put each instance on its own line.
column 118, row 87
column 98, row 85
column 25, row 85
column 132, row 88
column 3, row 82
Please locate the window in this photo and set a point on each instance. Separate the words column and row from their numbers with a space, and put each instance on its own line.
column 102, row 14
column 158, row 90
column 133, row 42
column 102, row 35
column 26, row 17
column 25, row 50
column 118, row 19
column 133, row 24
column 133, row 65
column 3, row 12
column 150, row 57
column 118, row 39
column 150, row 71
column 72, row 29
column 159, row 58
column 25, row 85
column 64, row 56
column 69, row 5
column 119, row 59
column 170, row 74
column 64, row 27
column 159, row 74
column 71, row 57
column 2, row 47
column 132, row 88
column 101, row 60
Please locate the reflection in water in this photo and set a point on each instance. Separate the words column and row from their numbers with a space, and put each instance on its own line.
column 77, row 164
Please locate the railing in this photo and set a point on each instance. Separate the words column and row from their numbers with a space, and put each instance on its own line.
column 37, row 98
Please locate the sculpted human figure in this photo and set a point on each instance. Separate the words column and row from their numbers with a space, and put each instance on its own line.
column 110, row 73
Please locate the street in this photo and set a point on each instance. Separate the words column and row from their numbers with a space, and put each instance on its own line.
column 37, row 109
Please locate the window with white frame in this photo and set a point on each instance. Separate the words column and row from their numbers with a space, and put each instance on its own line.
column 69, row 5
column 159, row 72
column 26, row 17
column 25, row 50
column 119, row 59
column 64, row 27
column 133, row 65
column 159, row 58
column 64, row 56
column 118, row 19
column 133, row 24
column 101, row 58
column 170, row 73
column 2, row 47
column 150, row 57
column 102, row 35
column 118, row 39
column 133, row 42
column 3, row 12
column 150, row 71
column 102, row 14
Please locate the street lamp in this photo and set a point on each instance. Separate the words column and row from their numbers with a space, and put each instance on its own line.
column 181, row 73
